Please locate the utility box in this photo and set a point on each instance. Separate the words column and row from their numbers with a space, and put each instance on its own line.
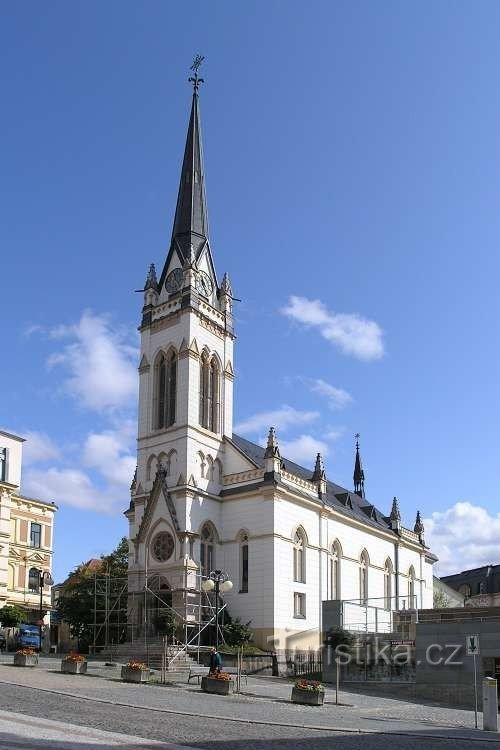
column 490, row 705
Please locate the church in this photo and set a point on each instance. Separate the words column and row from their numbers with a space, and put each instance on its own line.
column 205, row 499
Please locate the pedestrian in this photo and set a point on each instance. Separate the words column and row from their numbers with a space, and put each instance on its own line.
column 215, row 661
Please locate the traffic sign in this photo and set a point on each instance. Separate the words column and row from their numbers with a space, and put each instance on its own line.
column 472, row 645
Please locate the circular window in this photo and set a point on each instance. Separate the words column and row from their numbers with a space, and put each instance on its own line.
column 163, row 546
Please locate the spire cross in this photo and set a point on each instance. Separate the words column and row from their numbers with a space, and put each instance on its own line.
column 357, row 436
column 194, row 67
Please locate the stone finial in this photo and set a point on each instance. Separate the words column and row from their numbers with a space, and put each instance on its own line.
column 226, row 286
column 319, row 473
column 395, row 512
column 272, row 450
column 151, row 280
column 419, row 527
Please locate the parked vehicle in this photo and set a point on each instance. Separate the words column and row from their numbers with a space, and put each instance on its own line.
column 28, row 636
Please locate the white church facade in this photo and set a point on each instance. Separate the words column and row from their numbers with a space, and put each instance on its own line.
column 205, row 499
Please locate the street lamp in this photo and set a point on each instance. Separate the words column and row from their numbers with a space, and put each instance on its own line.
column 44, row 579
column 217, row 581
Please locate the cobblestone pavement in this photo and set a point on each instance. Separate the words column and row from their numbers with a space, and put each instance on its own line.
column 261, row 717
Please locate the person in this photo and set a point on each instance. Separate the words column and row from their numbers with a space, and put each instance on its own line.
column 215, row 660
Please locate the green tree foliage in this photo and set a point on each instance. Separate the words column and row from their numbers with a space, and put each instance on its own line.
column 166, row 623
column 441, row 601
column 12, row 616
column 237, row 633
column 338, row 638
column 76, row 601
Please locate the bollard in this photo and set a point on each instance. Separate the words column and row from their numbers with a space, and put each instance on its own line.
column 490, row 705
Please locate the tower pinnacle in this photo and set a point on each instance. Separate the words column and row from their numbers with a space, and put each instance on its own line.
column 359, row 474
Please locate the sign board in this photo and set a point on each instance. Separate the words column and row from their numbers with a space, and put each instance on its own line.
column 472, row 645
column 402, row 643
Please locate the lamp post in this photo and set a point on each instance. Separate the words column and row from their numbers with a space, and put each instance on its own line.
column 44, row 579
column 217, row 581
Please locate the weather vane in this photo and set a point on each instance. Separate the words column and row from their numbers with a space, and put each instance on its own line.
column 357, row 436
column 194, row 67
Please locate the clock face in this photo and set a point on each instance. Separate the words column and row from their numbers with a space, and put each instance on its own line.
column 174, row 280
column 204, row 284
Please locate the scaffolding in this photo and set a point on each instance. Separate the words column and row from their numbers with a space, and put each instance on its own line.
column 130, row 613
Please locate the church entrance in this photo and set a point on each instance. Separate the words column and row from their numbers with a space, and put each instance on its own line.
column 159, row 611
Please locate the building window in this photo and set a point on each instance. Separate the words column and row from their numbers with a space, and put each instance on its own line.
column 207, row 558
column 162, row 547
column 299, row 557
column 209, row 393
column 34, row 580
column 411, row 589
column 299, row 605
column 336, row 554
column 166, row 390
column 363, row 577
column 3, row 464
column 388, row 584
column 36, row 535
column 244, row 565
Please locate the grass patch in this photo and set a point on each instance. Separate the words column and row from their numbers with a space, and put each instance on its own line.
column 248, row 650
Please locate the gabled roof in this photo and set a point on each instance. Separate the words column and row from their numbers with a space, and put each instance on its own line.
column 344, row 501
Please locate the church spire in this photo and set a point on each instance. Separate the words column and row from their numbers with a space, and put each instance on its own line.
column 191, row 214
column 359, row 474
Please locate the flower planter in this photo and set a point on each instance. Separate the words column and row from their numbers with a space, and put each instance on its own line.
column 135, row 675
column 25, row 660
column 218, row 687
column 308, row 697
column 73, row 667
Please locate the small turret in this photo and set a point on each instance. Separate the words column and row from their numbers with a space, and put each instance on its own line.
column 150, row 294
column 226, row 294
column 319, row 475
column 419, row 528
column 272, row 453
column 359, row 474
column 395, row 517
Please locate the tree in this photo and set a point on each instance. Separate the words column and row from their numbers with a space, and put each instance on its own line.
column 441, row 601
column 12, row 616
column 116, row 563
column 166, row 623
column 237, row 633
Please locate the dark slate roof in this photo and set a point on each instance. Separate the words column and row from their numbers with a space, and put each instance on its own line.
column 337, row 497
column 191, row 213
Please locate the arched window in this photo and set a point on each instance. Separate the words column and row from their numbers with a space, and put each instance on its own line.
column 207, row 545
column 388, row 584
column 209, row 393
column 166, row 390
column 363, row 577
column 411, row 589
column 299, row 556
column 34, row 580
column 336, row 554
column 243, row 563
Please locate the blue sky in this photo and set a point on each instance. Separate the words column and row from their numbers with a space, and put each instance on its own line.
column 352, row 157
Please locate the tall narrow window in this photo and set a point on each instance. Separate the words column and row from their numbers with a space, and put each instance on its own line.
column 3, row 464
column 207, row 549
column 299, row 605
column 244, row 565
column 411, row 589
column 388, row 584
column 162, row 382
column 209, row 393
column 299, row 566
column 335, row 571
column 166, row 390
column 36, row 535
column 363, row 577
column 34, row 580
column 171, row 395
column 204, row 378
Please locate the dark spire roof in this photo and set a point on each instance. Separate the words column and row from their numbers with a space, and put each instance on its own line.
column 191, row 214
column 359, row 474
column 319, row 473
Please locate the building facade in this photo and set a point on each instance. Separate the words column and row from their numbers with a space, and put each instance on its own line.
column 26, row 536
column 204, row 498
column 479, row 587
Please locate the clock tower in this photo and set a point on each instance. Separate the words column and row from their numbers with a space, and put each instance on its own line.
column 186, row 380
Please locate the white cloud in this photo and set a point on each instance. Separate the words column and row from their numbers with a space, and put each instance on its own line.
column 72, row 487
column 353, row 334
column 109, row 453
column 99, row 361
column 303, row 449
column 39, row 448
column 337, row 398
column 281, row 418
column 463, row 536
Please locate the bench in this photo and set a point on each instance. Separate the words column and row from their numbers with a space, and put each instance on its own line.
column 199, row 671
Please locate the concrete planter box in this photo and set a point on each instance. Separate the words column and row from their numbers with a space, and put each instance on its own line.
column 73, row 667
column 21, row 660
column 308, row 697
column 218, row 687
column 135, row 675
